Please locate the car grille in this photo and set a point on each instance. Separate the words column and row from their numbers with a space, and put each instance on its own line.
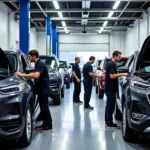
column 10, row 125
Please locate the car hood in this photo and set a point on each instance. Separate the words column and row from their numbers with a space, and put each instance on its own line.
column 12, row 80
column 144, row 59
column 4, row 62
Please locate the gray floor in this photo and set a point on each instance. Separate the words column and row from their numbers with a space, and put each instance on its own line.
column 76, row 129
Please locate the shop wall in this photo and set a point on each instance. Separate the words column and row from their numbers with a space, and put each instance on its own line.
column 9, row 30
column 136, row 36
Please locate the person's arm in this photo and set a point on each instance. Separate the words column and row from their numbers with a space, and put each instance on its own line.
column 75, row 76
column 74, row 73
column 115, row 76
column 34, row 75
column 93, row 74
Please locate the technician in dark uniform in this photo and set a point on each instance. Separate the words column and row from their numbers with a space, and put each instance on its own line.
column 41, row 79
column 111, row 88
column 88, row 82
column 76, row 72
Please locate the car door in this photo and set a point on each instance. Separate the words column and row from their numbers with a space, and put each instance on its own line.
column 122, row 81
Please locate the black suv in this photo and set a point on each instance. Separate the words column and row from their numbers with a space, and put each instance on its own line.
column 18, row 105
column 56, row 85
column 133, row 99
column 68, row 72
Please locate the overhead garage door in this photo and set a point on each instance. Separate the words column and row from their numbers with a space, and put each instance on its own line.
column 84, row 43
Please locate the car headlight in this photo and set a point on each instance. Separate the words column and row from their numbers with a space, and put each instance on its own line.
column 12, row 89
column 139, row 84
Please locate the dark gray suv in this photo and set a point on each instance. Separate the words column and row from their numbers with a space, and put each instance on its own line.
column 56, row 83
column 133, row 100
column 18, row 105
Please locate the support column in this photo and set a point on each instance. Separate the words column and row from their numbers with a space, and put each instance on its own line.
column 24, row 25
column 54, row 39
column 48, row 36
column 57, row 45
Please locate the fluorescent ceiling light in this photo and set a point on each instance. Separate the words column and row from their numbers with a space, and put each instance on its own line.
column 116, row 4
column 110, row 14
column 105, row 23
column 66, row 30
column 101, row 30
column 63, row 23
column 60, row 15
column 56, row 5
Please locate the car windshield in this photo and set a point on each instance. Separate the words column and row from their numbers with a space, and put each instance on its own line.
column 49, row 61
column 62, row 64
column 144, row 70
column 13, row 61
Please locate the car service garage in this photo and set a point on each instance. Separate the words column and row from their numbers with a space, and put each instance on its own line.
column 74, row 74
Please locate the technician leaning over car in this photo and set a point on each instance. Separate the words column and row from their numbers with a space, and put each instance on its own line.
column 41, row 79
column 111, row 88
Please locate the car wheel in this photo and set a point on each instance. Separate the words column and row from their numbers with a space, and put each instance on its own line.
column 57, row 99
column 68, row 85
column 62, row 92
column 96, row 89
column 26, row 138
column 128, row 134
column 100, row 93
column 118, row 115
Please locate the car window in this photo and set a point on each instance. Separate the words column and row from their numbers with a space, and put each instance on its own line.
column 13, row 61
column 121, row 63
column 24, row 63
column 49, row 61
column 130, row 65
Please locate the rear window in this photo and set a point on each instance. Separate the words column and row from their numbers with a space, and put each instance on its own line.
column 121, row 63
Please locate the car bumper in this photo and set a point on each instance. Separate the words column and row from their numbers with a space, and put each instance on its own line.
column 54, row 89
column 138, row 110
column 11, row 121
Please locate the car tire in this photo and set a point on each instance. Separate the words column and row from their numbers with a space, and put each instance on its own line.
column 26, row 137
column 96, row 89
column 100, row 93
column 128, row 134
column 118, row 115
column 62, row 92
column 57, row 99
column 68, row 85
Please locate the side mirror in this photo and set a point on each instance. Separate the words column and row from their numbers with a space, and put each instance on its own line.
column 123, row 69
column 30, row 69
column 70, row 67
column 98, row 68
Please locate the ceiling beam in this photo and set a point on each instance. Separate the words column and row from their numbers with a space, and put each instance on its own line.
column 95, row 27
column 41, row 9
column 78, row 0
column 89, row 18
column 88, row 10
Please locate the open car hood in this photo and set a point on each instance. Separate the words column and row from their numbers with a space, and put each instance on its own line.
column 144, row 56
column 4, row 62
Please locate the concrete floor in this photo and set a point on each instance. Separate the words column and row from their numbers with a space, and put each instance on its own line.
column 76, row 129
